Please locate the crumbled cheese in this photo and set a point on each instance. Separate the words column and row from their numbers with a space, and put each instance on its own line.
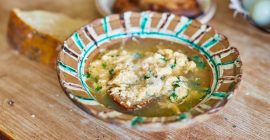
column 125, row 77
column 149, row 76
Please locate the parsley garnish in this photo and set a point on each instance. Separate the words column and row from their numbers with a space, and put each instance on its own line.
column 104, row 65
column 176, row 83
column 173, row 97
column 98, row 88
column 164, row 59
column 96, row 79
column 111, row 72
column 146, row 77
column 88, row 75
column 174, row 64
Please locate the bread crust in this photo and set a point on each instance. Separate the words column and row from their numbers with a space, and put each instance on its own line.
column 37, row 46
column 133, row 107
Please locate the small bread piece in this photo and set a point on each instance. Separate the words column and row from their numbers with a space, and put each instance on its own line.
column 118, row 100
column 39, row 34
column 124, row 95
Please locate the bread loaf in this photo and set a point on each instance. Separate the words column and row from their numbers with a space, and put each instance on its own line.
column 39, row 34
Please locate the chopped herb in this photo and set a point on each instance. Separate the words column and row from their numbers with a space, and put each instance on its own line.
column 137, row 55
column 104, row 65
column 174, row 64
column 173, row 97
column 179, row 79
column 146, row 77
column 199, row 61
column 175, row 85
column 96, row 79
column 88, row 75
column 98, row 88
column 111, row 72
column 164, row 59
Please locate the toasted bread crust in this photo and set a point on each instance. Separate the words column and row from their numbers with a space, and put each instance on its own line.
column 28, row 41
column 118, row 100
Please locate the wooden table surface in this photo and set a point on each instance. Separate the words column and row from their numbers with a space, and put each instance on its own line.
column 33, row 106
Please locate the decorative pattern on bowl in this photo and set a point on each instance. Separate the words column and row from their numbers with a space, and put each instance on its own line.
column 223, row 59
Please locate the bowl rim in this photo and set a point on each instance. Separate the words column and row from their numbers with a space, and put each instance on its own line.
column 168, row 125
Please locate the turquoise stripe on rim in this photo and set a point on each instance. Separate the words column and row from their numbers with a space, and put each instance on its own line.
column 144, row 20
column 147, row 34
column 66, row 68
column 220, row 94
column 78, row 41
column 105, row 25
column 212, row 41
column 185, row 26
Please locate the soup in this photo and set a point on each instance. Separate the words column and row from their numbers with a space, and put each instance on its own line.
column 149, row 77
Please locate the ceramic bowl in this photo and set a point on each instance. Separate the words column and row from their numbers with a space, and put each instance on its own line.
column 77, row 49
column 208, row 7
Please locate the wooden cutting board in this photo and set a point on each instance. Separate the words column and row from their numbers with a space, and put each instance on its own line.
column 33, row 106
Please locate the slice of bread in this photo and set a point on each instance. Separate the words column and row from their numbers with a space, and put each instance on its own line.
column 39, row 34
column 130, row 107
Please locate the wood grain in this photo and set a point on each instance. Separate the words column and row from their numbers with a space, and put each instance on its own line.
column 33, row 106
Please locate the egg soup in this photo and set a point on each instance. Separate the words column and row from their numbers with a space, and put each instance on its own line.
column 149, row 77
